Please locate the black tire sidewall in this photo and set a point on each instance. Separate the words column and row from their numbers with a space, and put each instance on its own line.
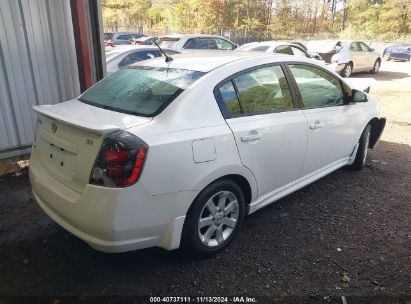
column 358, row 163
column 190, row 241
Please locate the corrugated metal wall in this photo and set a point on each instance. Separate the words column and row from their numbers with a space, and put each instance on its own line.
column 37, row 65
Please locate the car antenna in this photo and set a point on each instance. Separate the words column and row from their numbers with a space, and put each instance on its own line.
column 168, row 58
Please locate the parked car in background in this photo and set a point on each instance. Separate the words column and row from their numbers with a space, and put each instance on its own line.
column 300, row 44
column 120, row 38
column 399, row 51
column 124, row 55
column 277, row 47
column 176, row 154
column 196, row 42
column 143, row 40
column 347, row 57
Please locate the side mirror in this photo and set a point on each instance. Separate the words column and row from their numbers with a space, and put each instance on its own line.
column 372, row 50
column 359, row 96
column 235, row 46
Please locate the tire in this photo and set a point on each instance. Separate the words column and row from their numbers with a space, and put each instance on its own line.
column 387, row 57
column 220, row 227
column 362, row 151
column 347, row 70
column 376, row 67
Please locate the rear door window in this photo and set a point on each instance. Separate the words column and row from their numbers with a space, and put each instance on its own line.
column 138, row 56
column 298, row 52
column 143, row 91
column 123, row 37
column 229, row 96
column 168, row 42
column 263, row 90
column 283, row 49
column 201, row 44
column 355, row 47
column 223, row 44
column 364, row 47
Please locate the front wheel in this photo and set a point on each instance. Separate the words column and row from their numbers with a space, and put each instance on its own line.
column 214, row 219
column 376, row 67
column 347, row 70
column 362, row 151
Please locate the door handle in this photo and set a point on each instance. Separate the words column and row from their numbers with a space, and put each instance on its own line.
column 316, row 125
column 253, row 137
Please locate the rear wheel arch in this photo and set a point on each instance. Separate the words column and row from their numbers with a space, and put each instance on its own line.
column 191, row 240
column 240, row 180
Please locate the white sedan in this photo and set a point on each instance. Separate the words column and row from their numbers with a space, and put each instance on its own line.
column 347, row 57
column 176, row 154
column 278, row 47
column 119, row 57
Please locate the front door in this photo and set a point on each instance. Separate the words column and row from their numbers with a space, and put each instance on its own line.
column 271, row 135
column 331, row 123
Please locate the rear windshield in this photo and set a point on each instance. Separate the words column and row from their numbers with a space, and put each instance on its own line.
column 142, row 91
column 168, row 42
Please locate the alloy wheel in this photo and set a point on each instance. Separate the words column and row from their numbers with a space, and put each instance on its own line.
column 218, row 218
column 347, row 71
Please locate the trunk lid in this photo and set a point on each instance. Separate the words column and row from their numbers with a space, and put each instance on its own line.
column 69, row 136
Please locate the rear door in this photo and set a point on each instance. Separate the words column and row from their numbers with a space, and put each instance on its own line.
column 356, row 55
column 368, row 57
column 332, row 124
column 271, row 134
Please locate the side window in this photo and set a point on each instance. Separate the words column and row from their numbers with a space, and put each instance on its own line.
column 230, row 99
column 298, row 52
column 201, row 44
column 317, row 87
column 190, row 43
column 137, row 56
column 283, row 49
column 364, row 47
column 123, row 37
column 223, row 44
column 263, row 90
column 355, row 47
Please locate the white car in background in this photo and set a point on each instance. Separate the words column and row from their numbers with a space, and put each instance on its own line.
column 279, row 47
column 347, row 57
column 195, row 42
column 119, row 57
column 176, row 154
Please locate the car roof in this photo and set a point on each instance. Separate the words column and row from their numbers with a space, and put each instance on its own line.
column 125, row 33
column 267, row 43
column 128, row 48
column 190, row 36
column 207, row 61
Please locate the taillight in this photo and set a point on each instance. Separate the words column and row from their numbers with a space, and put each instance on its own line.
column 120, row 160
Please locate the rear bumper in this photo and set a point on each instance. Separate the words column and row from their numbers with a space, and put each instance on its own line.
column 112, row 219
column 377, row 129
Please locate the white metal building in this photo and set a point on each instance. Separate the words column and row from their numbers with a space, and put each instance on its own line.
column 49, row 52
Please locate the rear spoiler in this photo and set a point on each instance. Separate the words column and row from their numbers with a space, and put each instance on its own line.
column 47, row 110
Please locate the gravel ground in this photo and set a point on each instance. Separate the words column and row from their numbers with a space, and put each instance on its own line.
column 348, row 234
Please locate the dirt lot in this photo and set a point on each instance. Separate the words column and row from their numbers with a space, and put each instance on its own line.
column 348, row 234
column 393, row 88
